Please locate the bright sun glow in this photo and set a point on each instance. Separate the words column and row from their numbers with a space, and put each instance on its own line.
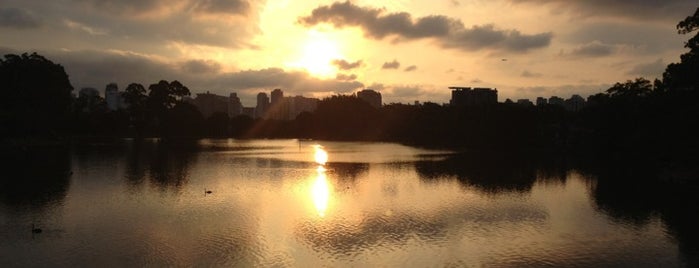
column 321, row 156
column 317, row 55
column 320, row 193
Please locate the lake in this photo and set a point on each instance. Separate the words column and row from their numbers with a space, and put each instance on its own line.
column 295, row 203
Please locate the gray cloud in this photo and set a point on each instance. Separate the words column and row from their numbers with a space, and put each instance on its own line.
column 528, row 74
column 201, row 66
column 633, row 9
column 346, row 77
column 643, row 38
column 391, row 65
column 346, row 65
column 410, row 68
column 135, row 24
column 650, row 70
column 221, row 6
column 594, row 49
column 449, row 32
column 18, row 18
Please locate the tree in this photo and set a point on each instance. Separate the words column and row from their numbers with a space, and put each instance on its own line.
column 36, row 96
column 683, row 75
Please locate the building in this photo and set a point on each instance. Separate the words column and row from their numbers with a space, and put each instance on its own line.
column 540, row 101
column 300, row 104
column 209, row 104
column 575, row 103
column 466, row 96
column 554, row 100
column 235, row 107
column 525, row 102
column 370, row 96
column 262, row 105
column 113, row 97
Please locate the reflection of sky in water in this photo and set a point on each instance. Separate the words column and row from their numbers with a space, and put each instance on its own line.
column 281, row 203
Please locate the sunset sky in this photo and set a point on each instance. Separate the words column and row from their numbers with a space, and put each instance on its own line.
column 407, row 50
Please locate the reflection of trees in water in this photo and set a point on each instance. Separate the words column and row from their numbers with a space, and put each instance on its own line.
column 629, row 192
column 494, row 173
column 169, row 163
column 34, row 177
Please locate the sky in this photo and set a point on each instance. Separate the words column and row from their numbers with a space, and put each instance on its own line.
column 407, row 50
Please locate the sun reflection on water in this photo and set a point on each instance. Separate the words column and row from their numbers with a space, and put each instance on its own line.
column 320, row 189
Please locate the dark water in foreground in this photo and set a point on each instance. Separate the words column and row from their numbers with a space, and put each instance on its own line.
column 371, row 205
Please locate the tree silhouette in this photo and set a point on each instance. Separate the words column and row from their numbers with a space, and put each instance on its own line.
column 683, row 75
column 36, row 96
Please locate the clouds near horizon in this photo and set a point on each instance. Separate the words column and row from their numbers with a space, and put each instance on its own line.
column 448, row 32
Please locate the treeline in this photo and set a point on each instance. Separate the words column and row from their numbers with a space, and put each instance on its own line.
column 658, row 117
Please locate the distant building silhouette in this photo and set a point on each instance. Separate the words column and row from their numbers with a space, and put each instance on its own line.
column 262, row 105
column 555, row 100
column 525, row 102
column 235, row 107
column 541, row 101
column 209, row 104
column 466, row 96
column 300, row 104
column 113, row 97
column 575, row 103
column 249, row 111
column 370, row 96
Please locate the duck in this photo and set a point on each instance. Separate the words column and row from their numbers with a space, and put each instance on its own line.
column 35, row 230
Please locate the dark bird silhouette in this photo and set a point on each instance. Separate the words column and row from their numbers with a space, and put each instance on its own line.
column 35, row 230
column 207, row 191
column 503, row 59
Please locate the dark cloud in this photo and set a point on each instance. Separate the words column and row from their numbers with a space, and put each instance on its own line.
column 346, row 65
column 529, row 74
column 221, row 23
column 131, row 7
column 201, row 66
column 18, row 18
column 651, row 69
column 221, row 6
column 633, row 9
column 594, row 49
column 410, row 68
column 391, row 65
column 449, row 32
column 346, row 77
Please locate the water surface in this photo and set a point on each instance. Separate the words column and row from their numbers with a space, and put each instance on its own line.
column 274, row 203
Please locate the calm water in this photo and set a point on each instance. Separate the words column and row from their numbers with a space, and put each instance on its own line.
column 275, row 203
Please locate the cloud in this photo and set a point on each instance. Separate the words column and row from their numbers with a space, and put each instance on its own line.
column 594, row 49
column 222, row 6
column 643, row 38
column 651, row 69
column 218, row 23
column 448, row 32
column 642, row 10
column 529, row 74
column 346, row 65
column 391, row 65
column 346, row 77
column 18, row 18
column 201, row 66
column 410, row 68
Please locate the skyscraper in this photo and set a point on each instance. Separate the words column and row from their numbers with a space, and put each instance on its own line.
column 262, row 105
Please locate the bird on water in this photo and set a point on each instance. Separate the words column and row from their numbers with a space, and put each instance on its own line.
column 35, row 230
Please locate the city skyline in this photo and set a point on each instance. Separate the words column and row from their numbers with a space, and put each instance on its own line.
column 317, row 49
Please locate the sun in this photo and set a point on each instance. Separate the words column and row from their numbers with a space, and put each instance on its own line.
column 317, row 54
